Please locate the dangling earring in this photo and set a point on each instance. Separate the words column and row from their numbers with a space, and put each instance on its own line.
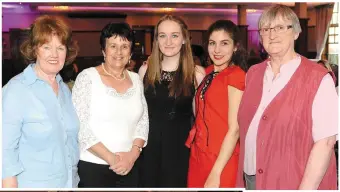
column 129, row 61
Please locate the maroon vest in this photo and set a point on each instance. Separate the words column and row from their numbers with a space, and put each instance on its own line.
column 284, row 137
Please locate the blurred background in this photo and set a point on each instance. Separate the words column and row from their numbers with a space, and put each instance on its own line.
column 319, row 21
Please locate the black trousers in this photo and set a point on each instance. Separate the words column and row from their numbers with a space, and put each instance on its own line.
column 100, row 176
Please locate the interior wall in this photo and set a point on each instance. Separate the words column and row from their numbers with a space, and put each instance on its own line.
column 86, row 31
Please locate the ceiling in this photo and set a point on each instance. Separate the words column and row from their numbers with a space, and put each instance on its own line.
column 215, row 8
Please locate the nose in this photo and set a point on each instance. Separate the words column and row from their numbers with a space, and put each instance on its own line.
column 54, row 52
column 272, row 34
column 217, row 49
column 168, row 41
column 119, row 50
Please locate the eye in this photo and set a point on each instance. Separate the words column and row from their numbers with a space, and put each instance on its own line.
column 225, row 43
column 161, row 36
column 46, row 47
column 279, row 27
column 174, row 36
column 211, row 43
column 61, row 48
column 125, row 46
column 265, row 29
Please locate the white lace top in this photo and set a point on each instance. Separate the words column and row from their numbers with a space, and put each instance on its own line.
column 107, row 116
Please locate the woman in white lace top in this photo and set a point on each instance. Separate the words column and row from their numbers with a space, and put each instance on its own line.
column 113, row 114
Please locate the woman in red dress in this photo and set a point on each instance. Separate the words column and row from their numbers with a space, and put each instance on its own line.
column 214, row 137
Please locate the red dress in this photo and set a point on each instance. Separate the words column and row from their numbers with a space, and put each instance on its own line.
column 211, row 126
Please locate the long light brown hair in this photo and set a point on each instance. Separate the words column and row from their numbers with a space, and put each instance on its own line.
column 184, row 78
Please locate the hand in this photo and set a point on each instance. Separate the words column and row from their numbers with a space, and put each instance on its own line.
column 213, row 180
column 113, row 159
column 127, row 160
column 10, row 182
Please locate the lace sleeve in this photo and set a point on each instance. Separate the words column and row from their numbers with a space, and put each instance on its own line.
column 142, row 130
column 81, row 97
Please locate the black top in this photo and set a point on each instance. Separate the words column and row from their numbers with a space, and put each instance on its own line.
column 165, row 159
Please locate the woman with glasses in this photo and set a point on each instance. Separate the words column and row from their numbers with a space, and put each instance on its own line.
column 288, row 115
column 213, row 140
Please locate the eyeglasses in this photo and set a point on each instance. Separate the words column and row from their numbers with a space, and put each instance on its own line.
column 278, row 29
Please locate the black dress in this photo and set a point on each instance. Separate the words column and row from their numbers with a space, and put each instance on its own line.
column 165, row 159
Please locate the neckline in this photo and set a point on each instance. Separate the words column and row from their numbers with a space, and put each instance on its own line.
column 168, row 71
column 112, row 88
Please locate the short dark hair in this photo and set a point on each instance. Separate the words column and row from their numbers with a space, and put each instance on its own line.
column 40, row 32
column 240, row 56
column 122, row 30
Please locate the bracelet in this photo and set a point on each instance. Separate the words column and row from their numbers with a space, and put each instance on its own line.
column 139, row 148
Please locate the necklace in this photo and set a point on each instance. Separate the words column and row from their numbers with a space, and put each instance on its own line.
column 118, row 79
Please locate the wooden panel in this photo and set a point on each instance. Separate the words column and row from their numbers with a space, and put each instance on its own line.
column 88, row 43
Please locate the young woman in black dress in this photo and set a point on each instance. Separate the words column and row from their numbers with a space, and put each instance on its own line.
column 170, row 78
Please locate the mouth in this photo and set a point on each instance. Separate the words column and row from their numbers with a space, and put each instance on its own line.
column 53, row 62
column 118, row 58
column 218, row 57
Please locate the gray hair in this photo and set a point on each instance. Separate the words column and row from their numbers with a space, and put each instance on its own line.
column 274, row 11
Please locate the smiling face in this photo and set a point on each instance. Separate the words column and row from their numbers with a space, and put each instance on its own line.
column 221, row 48
column 170, row 38
column 117, row 51
column 51, row 56
column 279, row 44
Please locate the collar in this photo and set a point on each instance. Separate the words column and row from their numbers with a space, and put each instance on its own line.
column 31, row 77
column 291, row 65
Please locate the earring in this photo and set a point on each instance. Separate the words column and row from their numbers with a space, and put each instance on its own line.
column 129, row 61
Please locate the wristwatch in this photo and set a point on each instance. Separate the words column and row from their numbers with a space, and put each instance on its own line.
column 138, row 147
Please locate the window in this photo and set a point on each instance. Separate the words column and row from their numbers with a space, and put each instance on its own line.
column 333, row 36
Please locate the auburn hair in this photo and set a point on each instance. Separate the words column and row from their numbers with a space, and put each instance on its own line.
column 41, row 31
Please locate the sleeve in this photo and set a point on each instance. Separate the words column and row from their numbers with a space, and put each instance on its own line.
column 12, row 121
column 237, row 79
column 142, row 130
column 325, row 110
column 81, row 98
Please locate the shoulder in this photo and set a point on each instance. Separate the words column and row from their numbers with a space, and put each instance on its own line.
column 83, row 80
column 86, row 74
column 313, row 70
column 15, row 84
column 209, row 69
column 14, row 93
column 199, row 73
column 313, row 65
column 134, row 76
column 142, row 71
column 257, row 67
column 237, row 71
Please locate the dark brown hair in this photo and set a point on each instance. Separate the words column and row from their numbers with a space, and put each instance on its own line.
column 240, row 56
column 185, row 75
column 41, row 31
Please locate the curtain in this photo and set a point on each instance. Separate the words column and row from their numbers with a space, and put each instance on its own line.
column 323, row 19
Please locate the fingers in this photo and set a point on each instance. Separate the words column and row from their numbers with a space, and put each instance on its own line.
column 116, row 166
column 120, row 170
